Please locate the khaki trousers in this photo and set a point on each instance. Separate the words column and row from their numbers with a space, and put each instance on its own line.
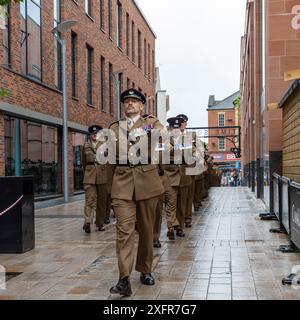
column 171, row 203
column 95, row 202
column 182, row 205
column 127, row 212
column 190, row 197
column 158, row 217
column 199, row 184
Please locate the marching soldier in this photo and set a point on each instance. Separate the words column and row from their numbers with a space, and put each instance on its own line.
column 174, row 173
column 95, row 179
column 135, row 191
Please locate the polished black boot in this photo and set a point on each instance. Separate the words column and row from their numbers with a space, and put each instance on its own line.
column 87, row 228
column 147, row 279
column 156, row 244
column 123, row 287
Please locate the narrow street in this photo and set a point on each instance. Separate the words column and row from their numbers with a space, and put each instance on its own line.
column 228, row 253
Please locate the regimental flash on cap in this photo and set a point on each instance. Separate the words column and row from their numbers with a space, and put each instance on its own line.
column 175, row 122
column 94, row 129
column 132, row 93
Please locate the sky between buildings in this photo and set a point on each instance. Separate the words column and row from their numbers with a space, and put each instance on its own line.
column 197, row 51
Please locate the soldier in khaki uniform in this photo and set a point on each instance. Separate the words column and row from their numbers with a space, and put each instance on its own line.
column 174, row 173
column 135, row 191
column 94, row 181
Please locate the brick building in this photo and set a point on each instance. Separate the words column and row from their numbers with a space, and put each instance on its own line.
column 223, row 113
column 111, row 46
column 269, row 57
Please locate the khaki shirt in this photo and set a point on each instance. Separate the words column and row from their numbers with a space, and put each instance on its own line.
column 93, row 173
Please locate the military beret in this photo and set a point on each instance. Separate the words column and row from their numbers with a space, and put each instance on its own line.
column 132, row 93
column 94, row 128
column 175, row 122
column 183, row 116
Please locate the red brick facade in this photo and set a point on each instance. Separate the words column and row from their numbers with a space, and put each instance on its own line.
column 46, row 99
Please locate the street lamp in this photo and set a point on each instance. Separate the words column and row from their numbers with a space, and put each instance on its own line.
column 117, row 84
column 63, row 27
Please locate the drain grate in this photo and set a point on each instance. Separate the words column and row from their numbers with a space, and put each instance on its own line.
column 11, row 275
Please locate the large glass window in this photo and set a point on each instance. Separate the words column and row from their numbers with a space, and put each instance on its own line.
column 78, row 140
column 37, row 146
column 31, row 38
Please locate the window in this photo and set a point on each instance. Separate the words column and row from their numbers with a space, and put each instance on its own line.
column 132, row 42
column 102, row 83
column 127, row 34
column 78, row 140
column 74, row 63
column 153, row 66
column 102, row 17
column 120, row 27
column 221, row 121
column 111, row 88
column 88, row 7
column 133, row 85
column 90, row 62
column 128, row 83
column 6, row 37
column 57, row 46
column 139, row 49
column 221, row 144
column 109, row 19
column 30, row 12
column 35, row 152
column 145, row 58
column 149, row 62
column 120, row 79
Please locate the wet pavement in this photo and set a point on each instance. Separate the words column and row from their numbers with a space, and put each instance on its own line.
column 228, row 253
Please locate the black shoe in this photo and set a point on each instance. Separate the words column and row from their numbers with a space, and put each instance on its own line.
column 101, row 227
column 171, row 234
column 147, row 279
column 87, row 228
column 196, row 209
column 107, row 221
column 188, row 225
column 180, row 233
column 123, row 287
column 156, row 244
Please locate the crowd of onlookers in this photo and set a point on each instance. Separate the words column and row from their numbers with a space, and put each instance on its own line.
column 230, row 178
